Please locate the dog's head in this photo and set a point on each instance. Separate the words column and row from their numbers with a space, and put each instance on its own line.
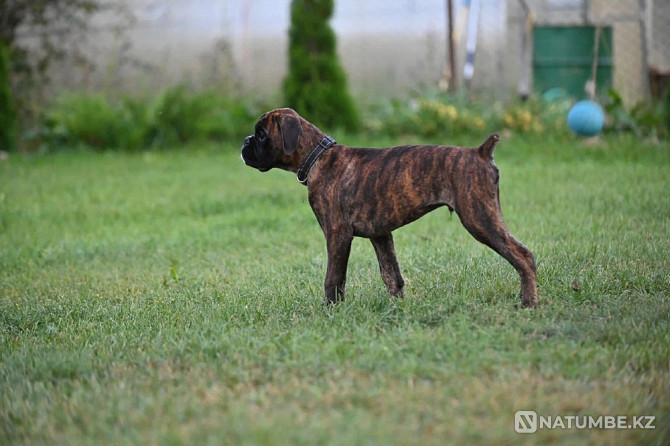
column 274, row 142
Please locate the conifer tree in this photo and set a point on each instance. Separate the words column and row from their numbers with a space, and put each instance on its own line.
column 316, row 85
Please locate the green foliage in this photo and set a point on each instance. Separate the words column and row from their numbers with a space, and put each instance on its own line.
column 7, row 107
column 166, row 299
column 434, row 114
column 176, row 116
column 90, row 120
column 179, row 116
column 648, row 118
column 316, row 85
column 537, row 116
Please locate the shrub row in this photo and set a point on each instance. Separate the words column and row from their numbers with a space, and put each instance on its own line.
column 441, row 114
column 180, row 115
column 174, row 117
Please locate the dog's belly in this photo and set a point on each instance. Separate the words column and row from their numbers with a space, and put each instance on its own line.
column 384, row 219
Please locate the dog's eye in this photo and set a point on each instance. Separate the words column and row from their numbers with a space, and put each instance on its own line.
column 262, row 135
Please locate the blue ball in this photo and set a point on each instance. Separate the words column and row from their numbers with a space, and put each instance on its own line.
column 586, row 118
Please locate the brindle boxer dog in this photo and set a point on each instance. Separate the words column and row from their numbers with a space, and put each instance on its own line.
column 370, row 192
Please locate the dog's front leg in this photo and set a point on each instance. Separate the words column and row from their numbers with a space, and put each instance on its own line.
column 388, row 265
column 338, row 244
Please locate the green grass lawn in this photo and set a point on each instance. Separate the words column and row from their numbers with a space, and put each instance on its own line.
column 175, row 298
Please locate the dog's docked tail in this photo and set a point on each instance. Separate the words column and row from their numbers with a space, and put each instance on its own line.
column 486, row 149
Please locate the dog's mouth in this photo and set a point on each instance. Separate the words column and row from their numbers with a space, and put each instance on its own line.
column 251, row 164
column 248, row 159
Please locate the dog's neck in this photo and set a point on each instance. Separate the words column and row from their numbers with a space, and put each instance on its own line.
column 310, row 138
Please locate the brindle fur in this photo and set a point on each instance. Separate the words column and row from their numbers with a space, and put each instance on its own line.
column 358, row 192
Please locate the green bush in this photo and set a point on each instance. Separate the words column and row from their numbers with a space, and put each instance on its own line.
column 434, row 114
column 316, row 85
column 649, row 118
column 179, row 116
column 90, row 120
column 175, row 117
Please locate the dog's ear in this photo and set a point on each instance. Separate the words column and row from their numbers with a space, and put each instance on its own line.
column 290, row 128
column 486, row 149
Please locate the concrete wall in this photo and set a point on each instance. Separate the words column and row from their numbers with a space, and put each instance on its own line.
column 387, row 47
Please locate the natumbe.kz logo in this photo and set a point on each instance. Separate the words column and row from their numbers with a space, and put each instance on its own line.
column 528, row 422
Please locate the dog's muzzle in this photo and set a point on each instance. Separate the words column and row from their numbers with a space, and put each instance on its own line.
column 250, row 156
column 246, row 148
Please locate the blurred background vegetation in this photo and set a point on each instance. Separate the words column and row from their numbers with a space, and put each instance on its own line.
column 180, row 115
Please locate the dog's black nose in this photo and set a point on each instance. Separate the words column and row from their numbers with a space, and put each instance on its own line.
column 247, row 140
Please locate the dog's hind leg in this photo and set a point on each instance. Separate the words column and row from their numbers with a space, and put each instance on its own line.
column 485, row 223
column 478, row 206
column 388, row 264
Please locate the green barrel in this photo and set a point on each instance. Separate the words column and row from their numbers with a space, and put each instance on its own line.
column 563, row 58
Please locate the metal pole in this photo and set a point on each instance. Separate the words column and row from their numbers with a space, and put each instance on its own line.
column 450, row 45
column 471, row 42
